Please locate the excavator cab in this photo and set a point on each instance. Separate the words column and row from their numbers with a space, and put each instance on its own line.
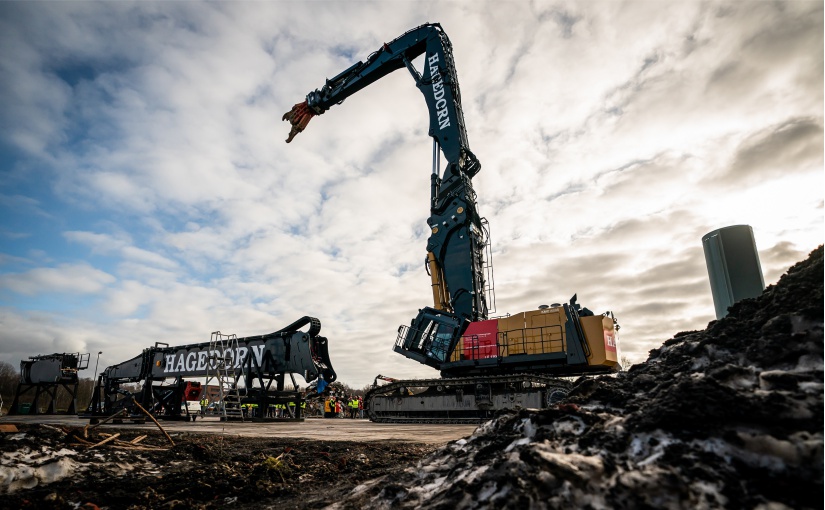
column 430, row 338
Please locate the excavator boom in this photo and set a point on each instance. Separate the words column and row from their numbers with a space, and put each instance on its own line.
column 458, row 233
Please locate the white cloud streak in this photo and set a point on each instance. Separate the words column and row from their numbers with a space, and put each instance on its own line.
column 63, row 279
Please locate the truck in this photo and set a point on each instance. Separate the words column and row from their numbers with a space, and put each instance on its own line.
column 486, row 363
column 249, row 370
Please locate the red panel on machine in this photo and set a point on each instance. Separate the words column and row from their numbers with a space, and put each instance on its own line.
column 610, row 335
column 192, row 391
column 480, row 340
column 610, row 341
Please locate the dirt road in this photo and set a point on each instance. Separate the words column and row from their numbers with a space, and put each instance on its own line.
column 50, row 462
column 331, row 429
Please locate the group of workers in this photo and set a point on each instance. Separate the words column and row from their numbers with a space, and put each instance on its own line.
column 351, row 406
column 251, row 410
column 339, row 406
column 333, row 403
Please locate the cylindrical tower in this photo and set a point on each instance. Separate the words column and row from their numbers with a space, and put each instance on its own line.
column 733, row 266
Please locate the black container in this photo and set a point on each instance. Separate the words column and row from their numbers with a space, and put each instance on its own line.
column 733, row 266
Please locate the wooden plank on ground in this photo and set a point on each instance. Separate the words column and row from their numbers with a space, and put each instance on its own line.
column 110, row 438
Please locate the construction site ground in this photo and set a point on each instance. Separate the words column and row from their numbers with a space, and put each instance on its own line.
column 321, row 429
column 203, row 464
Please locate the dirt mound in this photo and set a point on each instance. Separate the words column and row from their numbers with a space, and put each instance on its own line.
column 728, row 417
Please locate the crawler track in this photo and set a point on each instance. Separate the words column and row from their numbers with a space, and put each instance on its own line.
column 461, row 400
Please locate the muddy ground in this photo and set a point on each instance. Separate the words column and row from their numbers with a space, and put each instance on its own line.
column 198, row 471
column 727, row 417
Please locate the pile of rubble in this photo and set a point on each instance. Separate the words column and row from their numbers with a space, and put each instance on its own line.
column 728, row 417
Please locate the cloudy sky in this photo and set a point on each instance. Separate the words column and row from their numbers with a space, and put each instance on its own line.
column 147, row 193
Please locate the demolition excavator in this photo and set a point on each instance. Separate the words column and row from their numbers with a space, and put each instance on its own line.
column 486, row 363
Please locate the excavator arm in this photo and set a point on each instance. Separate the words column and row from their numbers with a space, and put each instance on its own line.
column 456, row 247
column 438, row 83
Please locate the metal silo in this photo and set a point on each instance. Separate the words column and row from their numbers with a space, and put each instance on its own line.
column 733, row 266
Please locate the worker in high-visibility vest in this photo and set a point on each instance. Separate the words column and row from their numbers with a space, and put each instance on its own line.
column 204, row 403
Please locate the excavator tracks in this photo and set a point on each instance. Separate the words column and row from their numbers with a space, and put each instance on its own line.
column 462, row 400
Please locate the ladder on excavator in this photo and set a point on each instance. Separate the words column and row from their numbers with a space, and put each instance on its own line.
column 222, row 351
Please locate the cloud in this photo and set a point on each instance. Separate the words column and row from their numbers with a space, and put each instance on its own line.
column 793, row 146
column 9, row 259
column 146, row 165
column 99, row 243
column 774, row 259
column 14, row 235
column 64, row 279
column 29, row 204
column 33, row 333
column 757, row 58
column 106, row 244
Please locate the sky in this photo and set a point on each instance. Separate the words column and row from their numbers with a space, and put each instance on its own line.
column 147, row 193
